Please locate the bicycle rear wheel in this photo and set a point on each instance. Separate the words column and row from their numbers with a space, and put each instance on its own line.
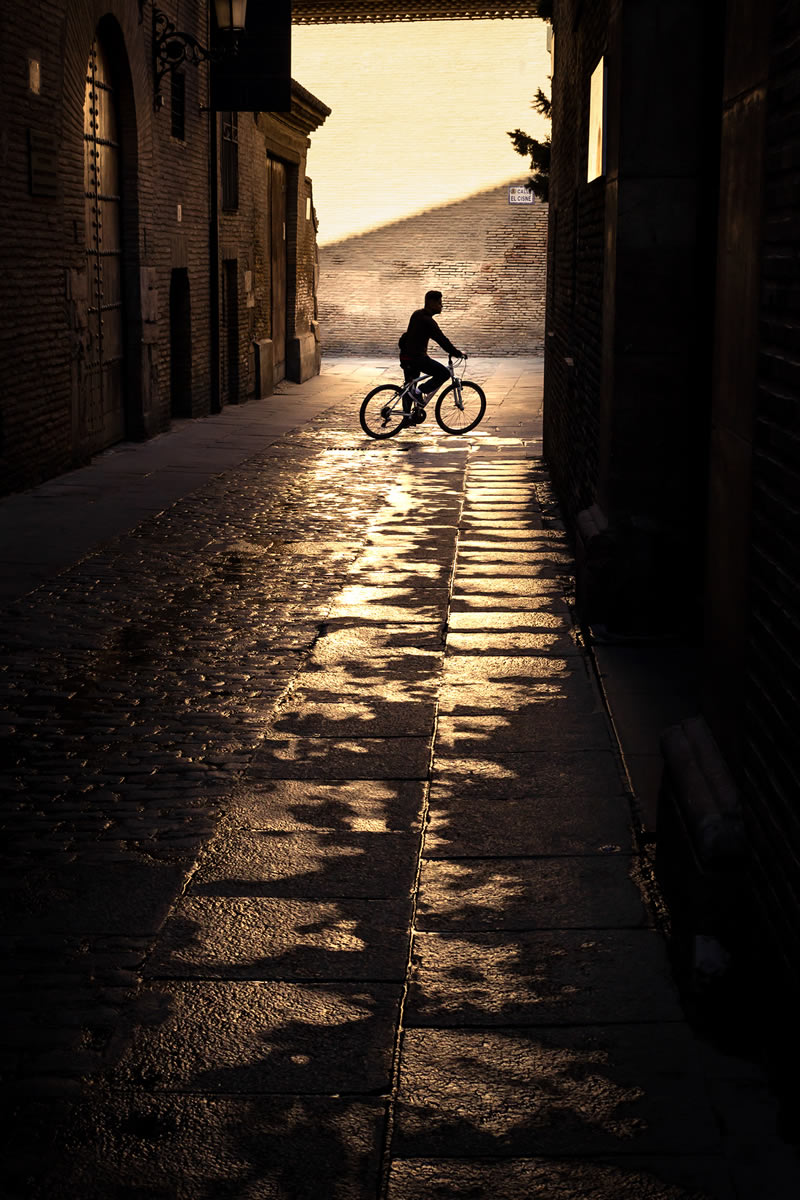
column 381, row 414
column 460, row 418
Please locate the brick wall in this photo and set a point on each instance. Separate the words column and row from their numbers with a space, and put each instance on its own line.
column 305, row 251
column 772, row 695
column 486, row 256
column 574, row 342
column 165, row 211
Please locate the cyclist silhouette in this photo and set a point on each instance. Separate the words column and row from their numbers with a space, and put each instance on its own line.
column 414, row 357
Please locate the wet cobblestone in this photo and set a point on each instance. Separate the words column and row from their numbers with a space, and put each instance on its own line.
column 135, row 689
column 318, row 872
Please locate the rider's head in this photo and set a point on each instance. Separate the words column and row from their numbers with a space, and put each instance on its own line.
column 433, row 302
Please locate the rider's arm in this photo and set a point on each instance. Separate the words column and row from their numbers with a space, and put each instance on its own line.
column 436, row 335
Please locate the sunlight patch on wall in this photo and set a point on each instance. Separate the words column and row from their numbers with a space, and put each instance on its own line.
column 420, row 114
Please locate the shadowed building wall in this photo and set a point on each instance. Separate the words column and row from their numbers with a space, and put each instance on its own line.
column 107, row 267
column 672, row 389
column 487, row 257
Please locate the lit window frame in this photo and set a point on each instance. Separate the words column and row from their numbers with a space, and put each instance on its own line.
column 598, row 102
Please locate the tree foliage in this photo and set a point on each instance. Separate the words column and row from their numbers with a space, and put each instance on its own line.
column 542, row 103
column 539, row 155
column 529, row 147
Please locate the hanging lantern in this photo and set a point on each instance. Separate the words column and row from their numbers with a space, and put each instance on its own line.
column 230, row 15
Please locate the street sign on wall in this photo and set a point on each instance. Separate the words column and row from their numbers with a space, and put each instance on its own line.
column 520, row 195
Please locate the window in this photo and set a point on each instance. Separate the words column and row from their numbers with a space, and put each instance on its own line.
column 230, row 160
column 178, row 105
column 597, row 123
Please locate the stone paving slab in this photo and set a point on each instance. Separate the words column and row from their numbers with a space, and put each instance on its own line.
column 550, row 643
column 342, row 758
column 359, row 805
column 340, row 864
column 234, row 1037
column 398, row 681
column 550, row 593
column 591, row 892
column 472, row 822
column 532, row 621
column 509, row 555
column 301, row 717
column 428, row 607
column 537, row 772
column 343, row 641
column 627, row 1089
column 246, row 937
column 650, row 1178
column 566, row 687
column 480, row 552
column 422, row 577
column 529, row 727
column 499, row 668
column 564, row 978
column 469, row 573
column 512, row 589
column 203, row 1148
column 424, row 545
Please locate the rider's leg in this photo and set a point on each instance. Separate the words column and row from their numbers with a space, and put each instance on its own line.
column 409, row 373
column 438, row 372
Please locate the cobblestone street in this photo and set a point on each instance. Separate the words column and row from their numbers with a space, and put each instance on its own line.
column 319, row 878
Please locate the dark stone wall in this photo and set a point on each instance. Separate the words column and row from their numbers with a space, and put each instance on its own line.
column 771, row 761
column 672, row 379
column 627, row 381
column 574, row 328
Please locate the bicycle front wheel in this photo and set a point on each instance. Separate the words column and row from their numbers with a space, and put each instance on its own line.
column 460, row 407
column 381, row 413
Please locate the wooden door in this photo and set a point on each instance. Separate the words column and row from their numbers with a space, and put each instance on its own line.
column 277, row 208
column 104, row 394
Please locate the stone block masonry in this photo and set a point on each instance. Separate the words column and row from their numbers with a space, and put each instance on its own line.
column 486, row 256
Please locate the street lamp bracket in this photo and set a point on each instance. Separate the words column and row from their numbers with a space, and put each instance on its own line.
column 172, row 47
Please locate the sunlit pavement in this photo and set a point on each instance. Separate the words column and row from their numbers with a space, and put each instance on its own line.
column 320, row 875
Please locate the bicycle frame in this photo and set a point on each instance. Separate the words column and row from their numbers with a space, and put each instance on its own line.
column 454, row 379
column 391, row 407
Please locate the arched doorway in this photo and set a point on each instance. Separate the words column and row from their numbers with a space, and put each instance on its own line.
column 180, row 344
column 104, row 368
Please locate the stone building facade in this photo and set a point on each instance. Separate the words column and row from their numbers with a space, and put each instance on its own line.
column 487, row 256
column 672, row 388
column 158, row 258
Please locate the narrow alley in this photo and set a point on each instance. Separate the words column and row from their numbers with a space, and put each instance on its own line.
column 320, row 868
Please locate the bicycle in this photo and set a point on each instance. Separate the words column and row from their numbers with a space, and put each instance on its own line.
column 389, row 408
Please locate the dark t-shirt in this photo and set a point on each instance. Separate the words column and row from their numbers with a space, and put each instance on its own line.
column 421, row 327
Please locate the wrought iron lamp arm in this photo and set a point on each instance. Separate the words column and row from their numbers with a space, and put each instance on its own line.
column 172, row 47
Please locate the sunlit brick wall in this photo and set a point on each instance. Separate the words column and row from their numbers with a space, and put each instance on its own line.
column 486, row 256
column 411, row 172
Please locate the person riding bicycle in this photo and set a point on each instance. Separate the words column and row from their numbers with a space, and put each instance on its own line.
column 414, row 357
